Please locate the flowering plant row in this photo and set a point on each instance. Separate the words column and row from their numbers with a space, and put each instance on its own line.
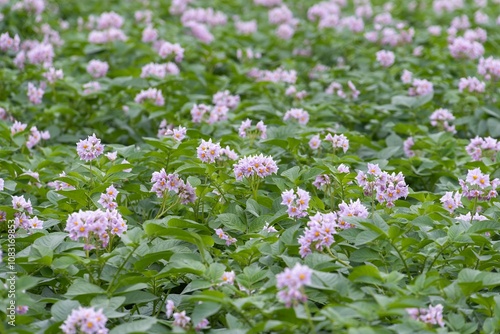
column 264, row 166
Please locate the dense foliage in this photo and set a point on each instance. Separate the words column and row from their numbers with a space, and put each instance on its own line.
column 241, row 166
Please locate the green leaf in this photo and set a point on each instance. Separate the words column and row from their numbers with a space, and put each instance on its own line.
column 292, row 174
column 130, row 327
column 62, row 309
column 361, row 273
column 82, row 287
column 203, row 311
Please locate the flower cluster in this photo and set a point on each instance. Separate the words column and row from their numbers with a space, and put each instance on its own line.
column 21, row 218
column 108, row 25
column 278, row 75
column 420, row 87
column 478, row 185
column 468, row 217
column 353, row 209
column 224, row 236
column 228, row 278
column 61, row 185
column 318, row 233
column 40, row 54
column 297, row 202
column 489, row 68
column 150, row 94
column 106, row 36
column 451, row 201
column 291, row 283
column 90, row 148
column 386, row 187
column 336, row 88
column 107, row 199
column 246, row 27
column 472, row 84
column 163, row 181
column 166, row 49
column 36, row 136
column 300, row 115
column 338, row 141
column 97, row 68
column 52, row 75
column 432, row 315
column 292, row 91
column 440, row 118
column 8, row 43
column 149, row 34
column 461, row 47
column 226, row 99
column 216, row 113
column 159, row 70
column 208, row 151
column 95, row 226
column 385, row 58
column 258, row 165
column 177, row 134
column 85, row 320
column 35, row 95
column 406, row 77
column 181, row 319
column 407, row 147
column 321, row 180
column 260, row 129
column 483, row 146
column 17, row 127
column 91, row 87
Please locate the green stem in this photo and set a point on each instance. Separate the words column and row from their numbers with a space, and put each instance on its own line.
column 91, row 176
column 337, row 259
column 120, row 268
column 437, row 256
column 308, row 313
column 478, row 259
column 402, row 259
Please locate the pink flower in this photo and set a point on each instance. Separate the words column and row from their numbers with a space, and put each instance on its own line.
column 181, row 320
column 299, row 114
column 290, row 282
column 421, row 87
column 35, row 94
column 297, row 203
column 150, row 94
column 406, row 77
column 315, row 142
column 208, row 151
column 451, row 201
column 9, row 44
column 52, row 75
column 169, row 308
column 224, row 236
column 433, row 315
column 407, row 145
column 338, row 141
column 385, row 58
column 441, row 117
column 97, row 68
column 90, row 148
column 149, row 34
column 471, row 84
column 246, row 28
column 228, row 278
column 255, row 165
column 85, row 320
column 91, row 87
column 166, row 49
